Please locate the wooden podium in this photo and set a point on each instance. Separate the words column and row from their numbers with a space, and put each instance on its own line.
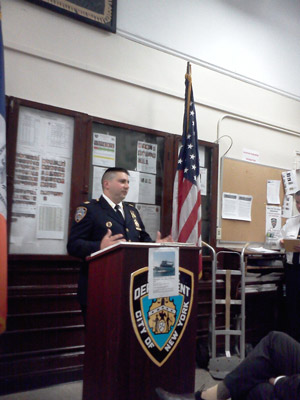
column 121, row 362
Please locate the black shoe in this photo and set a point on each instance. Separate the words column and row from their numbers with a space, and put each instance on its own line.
column 173, row 396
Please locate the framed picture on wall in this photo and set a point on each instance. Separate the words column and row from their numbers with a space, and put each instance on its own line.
column 100, row 13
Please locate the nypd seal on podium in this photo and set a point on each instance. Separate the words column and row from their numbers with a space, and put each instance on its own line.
column 160, row 323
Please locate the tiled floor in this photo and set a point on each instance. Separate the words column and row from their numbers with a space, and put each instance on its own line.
column 66, row 391
column 73, row 391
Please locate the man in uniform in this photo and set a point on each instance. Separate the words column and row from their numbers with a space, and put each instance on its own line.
column 102, row 222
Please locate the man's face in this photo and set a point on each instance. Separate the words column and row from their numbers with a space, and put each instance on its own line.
column 297, row 198
column 117, row 188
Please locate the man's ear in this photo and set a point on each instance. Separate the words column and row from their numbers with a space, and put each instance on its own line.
column 105, row 184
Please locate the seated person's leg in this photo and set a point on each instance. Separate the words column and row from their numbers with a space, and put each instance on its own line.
column 276, row 354
column 262, row 391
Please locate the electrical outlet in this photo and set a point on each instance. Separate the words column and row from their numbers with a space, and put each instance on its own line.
column 219, row 233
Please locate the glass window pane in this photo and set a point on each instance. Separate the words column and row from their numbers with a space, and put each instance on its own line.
column 142, row 154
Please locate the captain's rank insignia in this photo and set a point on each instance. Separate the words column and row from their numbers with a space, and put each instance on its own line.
column 136, row 223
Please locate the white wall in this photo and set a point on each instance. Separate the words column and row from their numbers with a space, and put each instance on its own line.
column 56, row 60
column 257, row 39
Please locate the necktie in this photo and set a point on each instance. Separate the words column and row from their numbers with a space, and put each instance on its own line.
column 296, row 255
column 117, row 210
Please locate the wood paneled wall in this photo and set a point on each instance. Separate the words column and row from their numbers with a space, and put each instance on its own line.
column 44, row 340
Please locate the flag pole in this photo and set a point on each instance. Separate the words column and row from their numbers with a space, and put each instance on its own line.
column 188, row 76
column 186, row 212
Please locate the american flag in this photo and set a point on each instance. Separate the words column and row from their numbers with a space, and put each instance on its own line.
column 186, row 219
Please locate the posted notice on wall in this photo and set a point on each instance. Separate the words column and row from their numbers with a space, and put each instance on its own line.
column 41, row 195
column 290, row 183
column 287, row 207
column 151, row 218
column 273, row 191
column 97, row 177
column 250, row 155
column 104, row 150
column 146, row 157
column 201, row 156
column 147, row 185
column 236, row 206
column 273, row 220
column 203, row 181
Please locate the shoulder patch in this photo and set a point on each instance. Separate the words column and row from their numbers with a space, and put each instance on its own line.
column 80, row 213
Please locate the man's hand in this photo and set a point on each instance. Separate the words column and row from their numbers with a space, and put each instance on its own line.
column 165, row 239
column 110, row 239
column 273, row 381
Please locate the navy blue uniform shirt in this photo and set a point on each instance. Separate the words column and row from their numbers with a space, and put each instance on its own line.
column 92, row 219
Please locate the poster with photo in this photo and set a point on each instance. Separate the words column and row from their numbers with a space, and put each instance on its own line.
column 163, row 272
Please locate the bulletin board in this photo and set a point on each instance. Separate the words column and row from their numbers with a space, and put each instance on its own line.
column 242, row 177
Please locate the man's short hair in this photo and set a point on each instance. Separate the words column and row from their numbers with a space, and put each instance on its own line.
column 110, row 173
column 297, row 193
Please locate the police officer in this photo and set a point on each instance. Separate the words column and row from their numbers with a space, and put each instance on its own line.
column 102, row 222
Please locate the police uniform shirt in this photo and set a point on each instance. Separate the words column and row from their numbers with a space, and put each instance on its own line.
column 113, row 205
column 94, row 218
